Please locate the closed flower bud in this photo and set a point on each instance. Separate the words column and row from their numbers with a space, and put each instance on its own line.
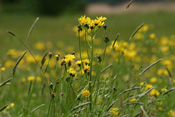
column 105, row 26
column 106, row 39
column 50, row 54
column 79, row 28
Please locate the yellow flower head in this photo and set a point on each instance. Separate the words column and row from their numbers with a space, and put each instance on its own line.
column 148, row 86
column 132, row 100
column 152, row 36
column 2, row 68
column 86, row 69
column 102, row 19
column 86, row 93
column 84, row 20
column 153, row 80
column 72, row 72
column 78, row 63
column 31, row 78
column 154, row 92
column 69, row 58
column 86, row 61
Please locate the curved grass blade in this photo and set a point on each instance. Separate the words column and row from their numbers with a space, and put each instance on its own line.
column 110, row 106
column 44, row 59
column 106, row 68
column 10, row 32
column 37, row 108
column 146, row 115
column 3, row 108
column 137, row 29
column 19, row 60
column 81, row 105
column 127, row 90
column 168, row 91
column 30, row 87
column 128, row 5
column 150, row 66
column 4, row 83
column 33, row 25
column 115, row 40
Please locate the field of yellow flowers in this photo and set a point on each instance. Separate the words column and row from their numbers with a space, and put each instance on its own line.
column 105, row 67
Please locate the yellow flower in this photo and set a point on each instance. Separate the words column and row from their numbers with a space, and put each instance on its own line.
column 142, row 83
column 31, row 78
column 69, row 58
column 132, row 100
column 153, row 80
column 78, row 63
column 163, row 89
column 23, row 79
column 148, row 86
column 171, row 113
column 2, row 68
column 102, row 19
column 84, row 20
column 152, row 36
column 86, row 69
column 86, row 61
column 72, row 72
column 12, row 105
column 154, row 92
column 86, row 93
column 38, row 79
column 39, row 46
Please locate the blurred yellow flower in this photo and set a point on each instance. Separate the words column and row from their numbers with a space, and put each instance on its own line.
column 171, row 113
column 86, row 93
column 154, row 92
column 148, row 86
column 39, row 46
column 153, row 80
column 3, row 68
column 31, row 78
column 132, row 100
column 152, row 36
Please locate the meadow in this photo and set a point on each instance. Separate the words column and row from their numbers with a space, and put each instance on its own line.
column 122, row 68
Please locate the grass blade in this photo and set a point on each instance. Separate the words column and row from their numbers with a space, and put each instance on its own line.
column 146, row 115
column 130, row 2
column 106, row 68
column 81, row 105
column 4, row 83
column 115, row 40
column 168, row 91
column 44, row 59
column 150, row 66
column 33, row 25
column 17, row 63
column 137, row 29
column 3, row 108
column 29, row 87
column 37, row 108
column 110, row 106
column 127, row 90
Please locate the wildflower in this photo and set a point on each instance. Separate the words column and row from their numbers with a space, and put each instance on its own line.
column 86, row 69
column 148, row 86
column 142, row 83
column 102, row 19
column 84, row 20
column 152, row 36
column 39, row 46
column 12, row 105
column 163, row 89
column 171, row 113
column 78, row 63
column 86, row 93
column 57, row 57
column 154, row 92
column 69, row 58
column 3, row 69
column 38, row 79
column 72, row 72
column 50, row 54
column 31, row 78
column 132, row 100
column 86, row 61
column 115, row 111
column 153, row 80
